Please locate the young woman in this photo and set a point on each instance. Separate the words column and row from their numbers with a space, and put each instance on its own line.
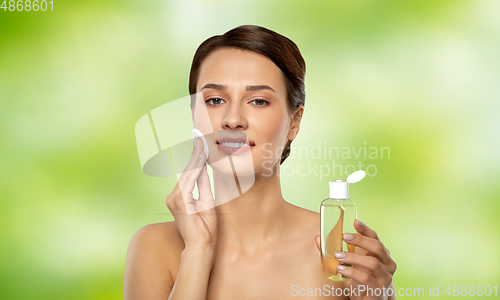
column 256, row 246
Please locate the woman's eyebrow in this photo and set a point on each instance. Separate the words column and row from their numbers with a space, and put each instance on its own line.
column 223, row 87
column 259, row 88
column 214, row 86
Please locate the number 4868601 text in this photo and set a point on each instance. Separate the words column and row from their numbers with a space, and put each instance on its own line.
column 27, row 5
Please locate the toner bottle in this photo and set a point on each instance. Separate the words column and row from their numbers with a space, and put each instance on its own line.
column 338, row 214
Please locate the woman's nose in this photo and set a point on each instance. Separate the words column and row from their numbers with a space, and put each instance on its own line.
column 234, row 118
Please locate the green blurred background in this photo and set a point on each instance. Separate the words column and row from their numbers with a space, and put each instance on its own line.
column 419, row 77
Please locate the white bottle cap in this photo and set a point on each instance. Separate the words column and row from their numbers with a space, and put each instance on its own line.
column 356, row 176
column 340, row 189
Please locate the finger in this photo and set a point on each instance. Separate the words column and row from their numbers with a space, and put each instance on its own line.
column 204, row 185
column 206, row 200
column 192, row 170
column 373, row 246
column 317, row 239
column 360, row 276
column 187, row 186
column 197, row 148
column 365, row 230
column 194, row 160
column 370, row 263
column 187, row 181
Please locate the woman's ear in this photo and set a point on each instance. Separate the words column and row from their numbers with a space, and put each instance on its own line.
column 295, row 124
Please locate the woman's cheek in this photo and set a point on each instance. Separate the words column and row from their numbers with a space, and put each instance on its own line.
column 272, row 135
column 277, row 130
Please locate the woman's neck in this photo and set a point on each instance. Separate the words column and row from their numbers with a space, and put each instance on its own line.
column 256, row 217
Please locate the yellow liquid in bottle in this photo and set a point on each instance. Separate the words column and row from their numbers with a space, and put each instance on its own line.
column 335, row 221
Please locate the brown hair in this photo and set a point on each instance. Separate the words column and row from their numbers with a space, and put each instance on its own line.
column 281, row 50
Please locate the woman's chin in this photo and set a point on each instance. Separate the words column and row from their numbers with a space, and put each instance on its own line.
column 243, row 165
column 238, row 167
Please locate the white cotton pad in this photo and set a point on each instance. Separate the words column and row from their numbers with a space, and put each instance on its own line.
column 197, row 133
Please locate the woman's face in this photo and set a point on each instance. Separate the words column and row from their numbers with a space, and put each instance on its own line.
column 245, row 97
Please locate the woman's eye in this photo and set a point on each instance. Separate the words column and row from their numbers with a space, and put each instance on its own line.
column 260, row 102
column 214, row 101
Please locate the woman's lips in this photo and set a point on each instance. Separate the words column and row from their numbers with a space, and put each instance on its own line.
column 233, row 145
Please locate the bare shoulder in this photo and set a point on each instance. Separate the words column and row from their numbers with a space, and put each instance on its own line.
column 308, row 220
column 158, row 234
column 307, row 215
column 311, row 215
column 152, row 261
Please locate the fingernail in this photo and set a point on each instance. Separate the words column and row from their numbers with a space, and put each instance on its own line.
column 339, row 255
column 341, row 268
column 360, row 223
column 348, row 236
column 201, row 155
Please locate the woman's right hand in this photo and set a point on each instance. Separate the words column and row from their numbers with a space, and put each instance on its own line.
column 195, row 219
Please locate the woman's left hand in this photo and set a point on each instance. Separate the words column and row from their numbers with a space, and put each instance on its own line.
column 372, row 271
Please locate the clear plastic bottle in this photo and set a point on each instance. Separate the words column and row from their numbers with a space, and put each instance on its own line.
column 338, row 214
